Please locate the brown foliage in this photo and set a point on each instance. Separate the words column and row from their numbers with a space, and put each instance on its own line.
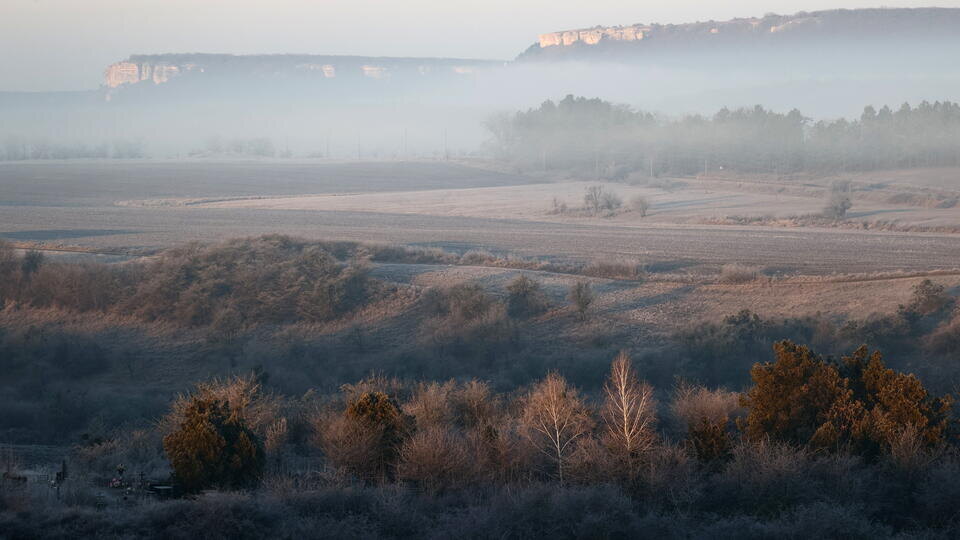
column 792, row 395
column 367, row 438
column 431, row 404
column 213, row 447
column 859, row 404
column 436, row 459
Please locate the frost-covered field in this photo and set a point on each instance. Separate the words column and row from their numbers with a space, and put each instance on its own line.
column 160, row 204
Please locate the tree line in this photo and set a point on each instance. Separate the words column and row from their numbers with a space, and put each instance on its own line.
column 614, row 141
column 18, row 148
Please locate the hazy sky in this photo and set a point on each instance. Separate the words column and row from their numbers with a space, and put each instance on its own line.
column 65, row 44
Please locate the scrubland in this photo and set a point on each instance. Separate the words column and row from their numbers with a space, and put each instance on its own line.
column 390, row 391
column 380, row 365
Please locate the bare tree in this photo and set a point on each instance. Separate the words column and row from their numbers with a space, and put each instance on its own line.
column 582, row 297
column 640, row 204
column 593, row 198
column 554, row 417
column 628, row 414
column 29, row 265
column 597, row 198
column 838, row 200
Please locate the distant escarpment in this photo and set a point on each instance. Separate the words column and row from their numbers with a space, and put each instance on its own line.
column 805, row 29
column 157, row 69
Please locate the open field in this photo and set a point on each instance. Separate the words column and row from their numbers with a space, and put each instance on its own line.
column 102, row 205
column 695, row 201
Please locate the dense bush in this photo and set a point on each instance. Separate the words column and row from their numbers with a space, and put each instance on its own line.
column 525, row 297
column 581, row 295
column 466, row 321
column 271, row 279
column 213, row 447
column 553, row 461
column 856, row 405
column 266, row 279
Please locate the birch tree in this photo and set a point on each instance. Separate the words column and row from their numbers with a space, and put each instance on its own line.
column 628, row 414
column 554, row 417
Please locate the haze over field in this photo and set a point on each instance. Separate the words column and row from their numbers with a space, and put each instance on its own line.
column 424, row 87
column 491, row 270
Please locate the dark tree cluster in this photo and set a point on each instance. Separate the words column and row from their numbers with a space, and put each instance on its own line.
column 614, row 141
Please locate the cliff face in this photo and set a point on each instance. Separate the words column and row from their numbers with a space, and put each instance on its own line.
column 592, row 36
column 859, row 23
column 163, row 68
column 127, row 72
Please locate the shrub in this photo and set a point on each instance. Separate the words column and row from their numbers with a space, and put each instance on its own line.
column 559, row 207
column 738, row 273
column 466, row 301
column 640, row 204
column 894, row 402
column 858, row 404
column 436, row 458
column 431, row 404
column 945, row 338
column 582, row 297
column 348, row 444
column 525, row 297
column 213, row 447
column 597, row 199
column 267, row 279
column 709, row 441
column 476, row 257
column 474, row 404
column 365, row 437
column 691, row 404
column 928, row 297
column 792, row 395
column 378, row 414
column 466, row 321
column 838, row 201
column 704, row 417
column 615, row 269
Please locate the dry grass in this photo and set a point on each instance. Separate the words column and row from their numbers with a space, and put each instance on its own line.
column 692, row 403
column 632, row 270
column 734, row 273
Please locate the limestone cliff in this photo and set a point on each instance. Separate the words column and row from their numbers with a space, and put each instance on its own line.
column 877, row 24
column 162, row 68
column 127, row 72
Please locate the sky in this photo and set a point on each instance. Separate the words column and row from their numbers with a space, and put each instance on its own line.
column 54, row 45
